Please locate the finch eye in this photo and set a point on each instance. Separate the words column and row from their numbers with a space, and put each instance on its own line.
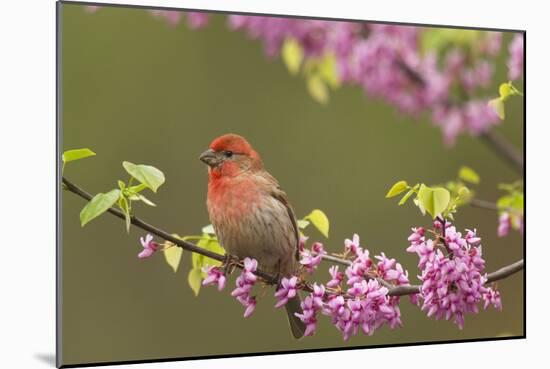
column 228, row 154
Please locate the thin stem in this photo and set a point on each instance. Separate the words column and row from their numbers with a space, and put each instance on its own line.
column 392, row 290
column 504, row 149
column 483, row 204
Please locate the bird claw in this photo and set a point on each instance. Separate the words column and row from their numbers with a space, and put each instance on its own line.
column 230, row 263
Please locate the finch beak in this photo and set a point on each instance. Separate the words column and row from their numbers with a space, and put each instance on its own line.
column 210, row 158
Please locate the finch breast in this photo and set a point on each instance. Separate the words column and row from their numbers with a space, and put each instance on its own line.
column 251, row 223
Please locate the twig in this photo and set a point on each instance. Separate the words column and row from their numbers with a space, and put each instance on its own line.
column 268, row 278
column 504, row 149
column 482, row 204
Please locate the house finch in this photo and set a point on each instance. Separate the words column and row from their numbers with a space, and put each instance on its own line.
column 251, row 214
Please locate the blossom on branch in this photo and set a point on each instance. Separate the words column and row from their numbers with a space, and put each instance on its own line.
column 452, row 277
column 214, row 276
column 149, row 247
column 244, row 283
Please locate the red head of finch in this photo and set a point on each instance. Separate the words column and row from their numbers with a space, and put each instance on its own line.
column 250, row 212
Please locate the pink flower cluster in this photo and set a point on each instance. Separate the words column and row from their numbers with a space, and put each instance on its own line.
column 507, row 221
column 364, row 304
column 387, row 62
column 214, row 275
column 286, row 291
column 245, row 282
column 452, row 267
column 311, row 259
column 515, row 61
column 310, row 306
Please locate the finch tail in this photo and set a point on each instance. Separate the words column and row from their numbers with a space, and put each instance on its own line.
column 296, row 325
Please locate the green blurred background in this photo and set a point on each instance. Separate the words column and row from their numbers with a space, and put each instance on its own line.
column 137, row 89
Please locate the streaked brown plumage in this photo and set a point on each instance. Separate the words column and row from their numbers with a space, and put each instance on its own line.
column 251, row 213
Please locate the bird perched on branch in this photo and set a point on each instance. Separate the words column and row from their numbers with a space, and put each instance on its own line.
column 251, row 213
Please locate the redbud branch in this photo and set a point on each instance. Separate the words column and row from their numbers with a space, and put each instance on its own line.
column 494, row 141
column 504, row 149
column 268, row 278
column 501, row 273
column 482, row 204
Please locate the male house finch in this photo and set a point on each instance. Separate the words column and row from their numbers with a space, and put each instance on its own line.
column 251, row 214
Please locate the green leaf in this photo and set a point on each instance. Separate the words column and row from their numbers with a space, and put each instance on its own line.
column 302, row 223
column 319, row 221
column 137, row 188
column 209, row 243
column 195, row 280
column 145, row 200
column 172, row 255
column 505, row 91
column 77, row 154
column 146, row 174
column 209, row 229
column 98, row 205
column 420, row 206
column 317, row 89
column 434, row 200
column 328, row 70
column 292, row 55
column 498, row 106
column 468, row 175
column 406, row 197
column 397, row 188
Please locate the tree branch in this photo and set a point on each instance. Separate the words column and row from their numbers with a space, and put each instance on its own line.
column 268, row 278
column 494, row 141
column 504, row 149
column 482, row 204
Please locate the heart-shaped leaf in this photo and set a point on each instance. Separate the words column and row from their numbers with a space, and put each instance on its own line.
column 172, row 255
column 319, row 221
column 396, row 189
column 434, row 200
column 98, row 205
column 146, row 174
column 77, row 154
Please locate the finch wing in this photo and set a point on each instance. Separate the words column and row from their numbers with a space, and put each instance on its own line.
column 280, row 195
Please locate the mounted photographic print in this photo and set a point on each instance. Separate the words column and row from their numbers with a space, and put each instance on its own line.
column 239, row 184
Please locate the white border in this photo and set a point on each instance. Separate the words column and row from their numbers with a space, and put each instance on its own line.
column 27, row 182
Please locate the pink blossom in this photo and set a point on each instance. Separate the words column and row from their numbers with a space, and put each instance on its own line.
column 149, row 247
column 492, row 297
column 172, row 17
column 311, row 259
column 453, row 284
column 390, row 270
column 244, row 283
column 515, row 61
column 352, row 245
column 214, row 275
column 308, row 315
column 310, row 306
column 504, row 224
column 336, row 277
column 367, row 310
column 197, row 19
column 286, row 291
